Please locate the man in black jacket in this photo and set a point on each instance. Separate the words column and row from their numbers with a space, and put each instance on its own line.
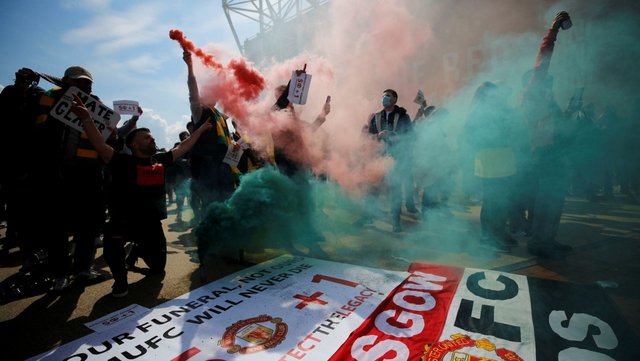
column 392, row 126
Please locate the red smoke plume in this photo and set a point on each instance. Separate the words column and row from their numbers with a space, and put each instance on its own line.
column 235, row 84
column 207, row 59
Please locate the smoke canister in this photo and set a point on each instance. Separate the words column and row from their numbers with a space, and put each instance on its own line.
column 566, row 24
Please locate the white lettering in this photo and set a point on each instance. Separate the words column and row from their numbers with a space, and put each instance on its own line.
column 578, row 328
column 378, row 350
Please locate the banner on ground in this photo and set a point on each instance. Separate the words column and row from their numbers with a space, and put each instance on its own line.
column 296, row 308
column 105, row 119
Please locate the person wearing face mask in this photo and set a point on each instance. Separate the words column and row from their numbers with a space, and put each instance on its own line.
column 393, row 128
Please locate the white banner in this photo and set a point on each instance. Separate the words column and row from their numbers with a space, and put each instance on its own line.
column 104, row 118
column 288, row 308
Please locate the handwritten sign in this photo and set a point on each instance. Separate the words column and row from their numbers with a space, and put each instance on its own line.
column 299, row 88
column 126, row 107
column 104, row 117
column 234, row 153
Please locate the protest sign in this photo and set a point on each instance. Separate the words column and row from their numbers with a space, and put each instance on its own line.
column 104, row 118
column 299, row 87
column 128, row 313
column 126, row 107
column 233, row 155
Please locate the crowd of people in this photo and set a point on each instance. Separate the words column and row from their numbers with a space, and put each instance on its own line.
column 68, row 188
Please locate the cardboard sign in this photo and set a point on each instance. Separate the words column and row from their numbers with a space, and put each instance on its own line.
column 232, row 158
column 127, row 314
column 126, row 107
column 104, row 117
column 299, row 88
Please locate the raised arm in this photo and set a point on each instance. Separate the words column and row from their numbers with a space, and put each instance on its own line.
column 543, row 60
column 186, row 145
column 129, row 125
column 104, row 150
column 192, row 84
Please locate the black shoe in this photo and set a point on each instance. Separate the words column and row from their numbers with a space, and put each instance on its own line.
column 90, row 276
column 411, row 208
column 119, row 289
column 60, row 284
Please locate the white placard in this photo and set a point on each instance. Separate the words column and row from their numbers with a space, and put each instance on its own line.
column 126, row 107
column 234, row 153
column 299, row 88
column 127, row 314
column 104, row 117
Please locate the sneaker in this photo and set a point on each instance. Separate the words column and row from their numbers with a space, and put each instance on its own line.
column 119, row 290
column 60, row 284
column 90, row 276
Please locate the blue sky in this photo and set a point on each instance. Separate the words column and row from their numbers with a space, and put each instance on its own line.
column 124, row 44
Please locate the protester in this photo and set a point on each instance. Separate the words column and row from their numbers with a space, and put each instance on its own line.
column 181, row 182
column 18, row 103
column 434, row 160
column 393, row 128
column 211, row 179
column 289, row 142
column 138, row 198
column 550, row 137
column 488, row 131
column 69, row 165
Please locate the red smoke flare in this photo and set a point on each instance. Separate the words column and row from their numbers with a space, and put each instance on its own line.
column 207, row 59
column 246, row 83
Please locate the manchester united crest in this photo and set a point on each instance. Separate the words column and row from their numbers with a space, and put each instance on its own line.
column 464, row 348
column 254, row 335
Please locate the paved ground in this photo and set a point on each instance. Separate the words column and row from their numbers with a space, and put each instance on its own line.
column 605, row 236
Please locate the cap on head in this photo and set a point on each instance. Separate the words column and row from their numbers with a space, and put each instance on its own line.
column 77, row 72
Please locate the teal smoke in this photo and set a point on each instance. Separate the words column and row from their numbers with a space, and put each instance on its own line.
column 268, row 210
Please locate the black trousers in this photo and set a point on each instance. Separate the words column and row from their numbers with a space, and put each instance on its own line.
column 149, row 243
